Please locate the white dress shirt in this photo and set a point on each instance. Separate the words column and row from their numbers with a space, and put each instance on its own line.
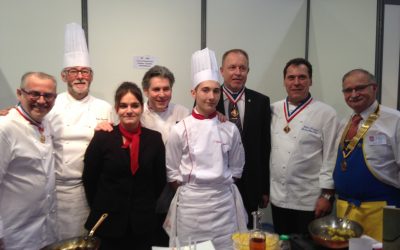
column 302, row 161
column 381, row 144
column 27, row 184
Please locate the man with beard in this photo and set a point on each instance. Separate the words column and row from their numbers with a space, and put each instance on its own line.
column 73, row 119
column 27, row 179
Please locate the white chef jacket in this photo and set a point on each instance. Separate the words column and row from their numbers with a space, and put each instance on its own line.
column 73, row 122
column 381, row 143
column 204, row 155
column 163, row 121
column 302, row 161
column 27, row 184
column 214, row 153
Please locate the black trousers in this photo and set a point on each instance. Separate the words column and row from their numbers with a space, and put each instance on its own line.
column 290, row 221
column 131, row 241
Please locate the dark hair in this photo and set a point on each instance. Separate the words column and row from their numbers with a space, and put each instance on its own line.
column 125, row 88
column 297, row 62
column 371, row 77
column 157, row 71
column 239, row 51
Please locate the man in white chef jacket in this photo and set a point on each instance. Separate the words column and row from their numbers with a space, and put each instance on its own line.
column 27, row 178
column 303, row 155
column 204, row 156
column 73, row 118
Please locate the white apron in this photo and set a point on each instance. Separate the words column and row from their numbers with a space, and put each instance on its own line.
column 201, row 213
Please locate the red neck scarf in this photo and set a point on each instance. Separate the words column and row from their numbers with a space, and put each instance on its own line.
column 132, row 142
column 202, row 117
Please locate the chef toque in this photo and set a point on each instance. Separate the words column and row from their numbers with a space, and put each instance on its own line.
column 204, row 67
column 75, row 47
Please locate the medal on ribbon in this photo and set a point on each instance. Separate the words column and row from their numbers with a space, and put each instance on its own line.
column 234, row 112
column 343, row 165
column 290, row 115
column 39, row 126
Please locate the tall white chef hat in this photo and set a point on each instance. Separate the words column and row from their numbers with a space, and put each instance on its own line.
column 75, row 47
column 204, row 67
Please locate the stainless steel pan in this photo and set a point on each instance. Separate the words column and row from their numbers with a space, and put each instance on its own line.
column 88, row 242
column 333, row 232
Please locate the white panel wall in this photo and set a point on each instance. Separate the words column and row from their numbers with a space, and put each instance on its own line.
column 391, row 55
column 31, row 39
column 120, row 30
column 271, row 31
column 342, row 37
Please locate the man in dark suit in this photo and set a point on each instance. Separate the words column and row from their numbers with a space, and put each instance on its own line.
column 250, row 111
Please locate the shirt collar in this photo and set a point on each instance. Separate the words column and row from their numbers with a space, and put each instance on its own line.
column 369, row 110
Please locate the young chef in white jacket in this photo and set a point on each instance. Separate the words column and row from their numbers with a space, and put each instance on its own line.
column 73, row 118
column 27, row 178
column 204, row 156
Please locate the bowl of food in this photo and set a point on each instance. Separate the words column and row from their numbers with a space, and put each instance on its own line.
column 241, row 241
column 334, row 232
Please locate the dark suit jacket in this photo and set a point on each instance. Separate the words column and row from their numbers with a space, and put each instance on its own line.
column 110, row 186
column 257, row 145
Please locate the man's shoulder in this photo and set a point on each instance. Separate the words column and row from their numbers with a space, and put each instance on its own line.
column 6, row 120
column 179, row 109
column 324, row 107
column 97, row 101
column 389, row 111
column 255, row 94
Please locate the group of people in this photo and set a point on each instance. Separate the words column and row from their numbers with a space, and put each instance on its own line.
column 196, row 175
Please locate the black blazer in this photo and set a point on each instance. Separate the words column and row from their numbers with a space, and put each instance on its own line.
column 256, row 137
column 110, row 186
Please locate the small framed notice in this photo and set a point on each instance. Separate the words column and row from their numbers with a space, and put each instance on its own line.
column 144, row 62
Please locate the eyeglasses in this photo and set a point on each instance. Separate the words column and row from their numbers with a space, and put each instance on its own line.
column 357, row 89
column 75, row 72
column 35, row 95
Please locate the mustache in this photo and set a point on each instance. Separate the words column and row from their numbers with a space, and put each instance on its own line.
column 40, row 105
column 354, row 99
column 80, row 81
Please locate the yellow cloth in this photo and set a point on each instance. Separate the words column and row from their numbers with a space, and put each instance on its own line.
column 369, row 215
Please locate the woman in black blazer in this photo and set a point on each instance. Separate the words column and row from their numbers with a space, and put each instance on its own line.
column 124, row 174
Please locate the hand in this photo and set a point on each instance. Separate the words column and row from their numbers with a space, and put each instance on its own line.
column 104, row 126
column 265, row 201
column 221, row 117
column 4, row 112
column 175, row 185
column 322, row 207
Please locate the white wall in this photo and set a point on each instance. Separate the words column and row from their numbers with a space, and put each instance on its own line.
column 272, row 32
column 168, row 30
column 390, row 55
column 342, row 38
column 31, row 39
